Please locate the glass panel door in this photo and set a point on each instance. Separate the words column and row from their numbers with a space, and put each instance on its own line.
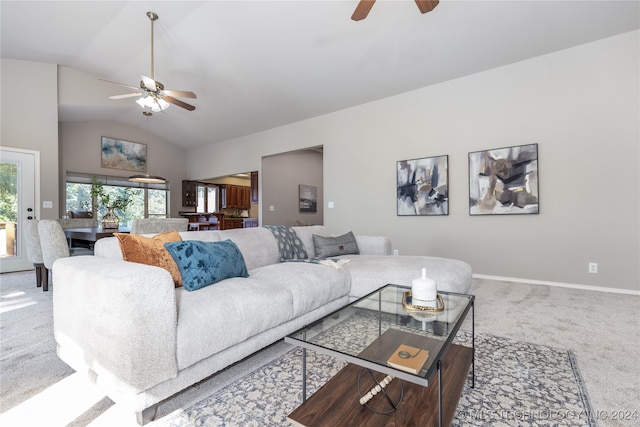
column 17, row 204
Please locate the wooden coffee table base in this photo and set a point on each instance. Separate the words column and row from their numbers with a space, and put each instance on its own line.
column 337, row 402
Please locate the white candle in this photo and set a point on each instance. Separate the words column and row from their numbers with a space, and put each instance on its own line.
column 423, row 290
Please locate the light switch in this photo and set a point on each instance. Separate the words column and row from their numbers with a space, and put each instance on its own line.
column 330, row 205
column 272, row 208
column 47, row 204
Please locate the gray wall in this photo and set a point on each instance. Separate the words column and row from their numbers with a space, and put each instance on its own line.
column 281, row 176
column 80, row 144
column 33, row 125
column 580, row 105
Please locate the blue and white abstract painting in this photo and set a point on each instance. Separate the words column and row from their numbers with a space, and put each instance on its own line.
column 124, row 155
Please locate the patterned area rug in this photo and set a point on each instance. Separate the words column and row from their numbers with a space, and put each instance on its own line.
column 517, row 384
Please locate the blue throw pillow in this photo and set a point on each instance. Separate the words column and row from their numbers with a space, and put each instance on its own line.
column 205, row 263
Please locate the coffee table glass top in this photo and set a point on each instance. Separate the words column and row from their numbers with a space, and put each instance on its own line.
column 370, row 330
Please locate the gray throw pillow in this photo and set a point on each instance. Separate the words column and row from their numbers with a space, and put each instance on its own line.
column 335, row 246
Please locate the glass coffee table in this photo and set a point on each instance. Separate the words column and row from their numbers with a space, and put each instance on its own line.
column 396, row 351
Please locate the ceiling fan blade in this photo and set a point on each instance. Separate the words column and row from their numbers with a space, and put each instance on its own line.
column 179, row 103
column 180, row 93
column 126, row 95
column 120, row 84
column 362, row 10
column 149, row 83
column 427, row 5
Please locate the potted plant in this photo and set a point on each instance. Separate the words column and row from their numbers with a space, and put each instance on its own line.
column 111, row 202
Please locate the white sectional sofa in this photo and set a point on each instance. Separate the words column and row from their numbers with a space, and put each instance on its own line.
column 141, row 340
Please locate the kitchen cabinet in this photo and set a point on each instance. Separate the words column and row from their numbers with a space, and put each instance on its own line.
column 235, row 196
column 189, row 193
column 233, row 223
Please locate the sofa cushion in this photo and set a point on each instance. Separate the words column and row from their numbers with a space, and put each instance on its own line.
column 257, row 244
column 311, row 285
column 217, row 317
column 370, row 272
column 335, row 246
column 151, row 251
column 205, row 263
column 306, row 233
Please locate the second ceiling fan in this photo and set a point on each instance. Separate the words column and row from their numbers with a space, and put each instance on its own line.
column 153, row 94
column 363, row 8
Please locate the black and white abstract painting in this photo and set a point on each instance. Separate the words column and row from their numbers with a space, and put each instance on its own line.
column 423, row 186
column 504, row 181
column 308, row 198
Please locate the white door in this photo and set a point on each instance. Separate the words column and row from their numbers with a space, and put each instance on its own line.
column 17, row 204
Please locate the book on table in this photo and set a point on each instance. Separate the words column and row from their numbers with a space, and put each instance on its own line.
column 409, row 359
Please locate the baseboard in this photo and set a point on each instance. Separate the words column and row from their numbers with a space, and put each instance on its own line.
column 559, row 284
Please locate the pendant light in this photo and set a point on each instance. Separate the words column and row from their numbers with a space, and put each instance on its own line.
column 146, row 178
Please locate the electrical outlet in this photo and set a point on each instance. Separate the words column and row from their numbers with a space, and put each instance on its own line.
column 395, row 252
column 593, row 267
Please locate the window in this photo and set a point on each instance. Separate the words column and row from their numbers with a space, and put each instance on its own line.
column 150, row 200
column 207, row 196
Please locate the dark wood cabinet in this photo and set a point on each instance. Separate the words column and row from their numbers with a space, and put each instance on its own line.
column 189, row 193
column 233, row 223
column 235, row 196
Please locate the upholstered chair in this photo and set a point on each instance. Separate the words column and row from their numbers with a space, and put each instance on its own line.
column 78, row 222
column 80, row 214
column 34, row 251
column 54, row 245
column 158, row 225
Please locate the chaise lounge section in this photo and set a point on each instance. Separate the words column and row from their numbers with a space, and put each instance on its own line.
column 140, row 339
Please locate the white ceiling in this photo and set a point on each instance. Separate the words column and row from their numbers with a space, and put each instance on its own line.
column 256, row 65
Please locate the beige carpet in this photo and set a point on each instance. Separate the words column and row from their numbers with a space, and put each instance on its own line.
column 603, row 329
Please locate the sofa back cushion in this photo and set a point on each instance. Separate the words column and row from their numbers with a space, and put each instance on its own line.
column 257, row 244
column 107, row 247
column 306, row 235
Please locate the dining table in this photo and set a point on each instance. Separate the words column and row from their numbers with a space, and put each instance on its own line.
column 90, row 235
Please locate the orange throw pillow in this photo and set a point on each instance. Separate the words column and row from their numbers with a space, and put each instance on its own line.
column 151, row 251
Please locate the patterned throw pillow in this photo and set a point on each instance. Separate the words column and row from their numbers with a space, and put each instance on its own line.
column 151, row 251
column 289, row 244
column 205, row 263
column 335, row 246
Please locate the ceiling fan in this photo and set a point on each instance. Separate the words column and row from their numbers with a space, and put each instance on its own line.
column 363, row 8
column 153, row 94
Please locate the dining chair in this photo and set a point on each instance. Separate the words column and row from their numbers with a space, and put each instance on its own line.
column 34, row 251
column 80, row 214
column 54, row 245
column 158, row 225
column 78, row 222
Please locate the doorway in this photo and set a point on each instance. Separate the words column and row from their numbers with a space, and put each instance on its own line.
column 17, row 204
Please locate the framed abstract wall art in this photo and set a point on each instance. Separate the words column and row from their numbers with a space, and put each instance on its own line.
column 123, row 155
column 504, row 181
column 308, row 198
column 423, row 186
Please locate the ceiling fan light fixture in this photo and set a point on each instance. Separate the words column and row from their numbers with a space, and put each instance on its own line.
column 152, row 91
column 155, row 104
column 147, row 179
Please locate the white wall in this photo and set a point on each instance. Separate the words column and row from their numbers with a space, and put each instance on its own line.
column 80, row 144
column 580, row 105
column 32, row 125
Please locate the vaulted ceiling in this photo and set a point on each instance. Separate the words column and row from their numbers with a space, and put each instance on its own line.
column 257, row 65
